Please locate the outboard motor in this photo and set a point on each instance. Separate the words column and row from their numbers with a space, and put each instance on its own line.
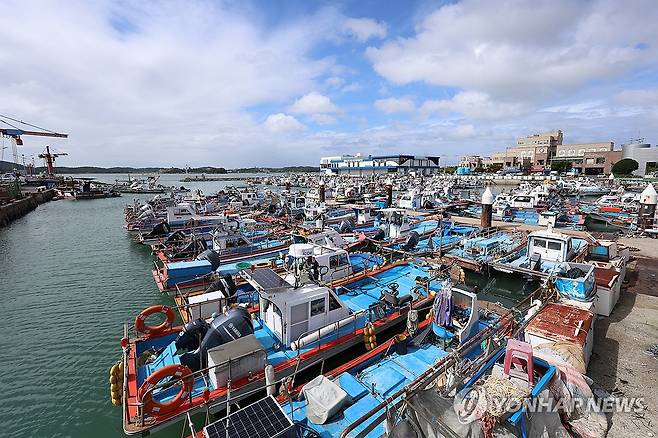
column 300, row 216
column 211, row 256
column 160, row 229
column 225, row 284
column 345, row 227
column 190, row 337
column 226, row 327
column 271, row 208
column 411, row 242
column 177, row 236
column 379, row 235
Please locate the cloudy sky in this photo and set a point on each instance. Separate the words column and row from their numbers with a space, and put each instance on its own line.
column 278, row 82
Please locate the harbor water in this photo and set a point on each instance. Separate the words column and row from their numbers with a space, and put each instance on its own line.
column 70, row 278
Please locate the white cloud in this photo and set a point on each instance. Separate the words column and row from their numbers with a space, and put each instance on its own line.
column 282, row 123
column 323, row 119
column 350, row 88
column 362, row 29
column 313, row 103
column 462, row 131
column 334, row 81
column 133, row 83
column 474, row 105
column 395, row 105
column 641, row 97
column 523, row 49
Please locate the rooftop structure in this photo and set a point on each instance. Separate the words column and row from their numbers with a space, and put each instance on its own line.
column 645, row 155
column 359, row 165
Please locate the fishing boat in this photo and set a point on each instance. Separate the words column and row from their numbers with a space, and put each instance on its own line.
column 479, row 248
column 545, row 252
column 304, row 263
column 329, row 403
column 291, row 329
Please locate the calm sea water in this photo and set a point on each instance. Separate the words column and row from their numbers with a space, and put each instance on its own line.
column 70, row 277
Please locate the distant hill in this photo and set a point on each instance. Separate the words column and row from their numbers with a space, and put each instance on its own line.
column 6, row 166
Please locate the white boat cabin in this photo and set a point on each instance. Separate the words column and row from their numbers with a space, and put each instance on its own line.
column 328, row 237
column 366, row 215
column 551, row 246
column 289, row 313
column 249, row 198
column 410, row 200
column 395, row 223
column 306, row 263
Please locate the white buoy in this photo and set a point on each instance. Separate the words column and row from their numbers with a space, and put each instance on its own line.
column 647, row 213
column 270, row 380
column 487, row 209
column 649, row 195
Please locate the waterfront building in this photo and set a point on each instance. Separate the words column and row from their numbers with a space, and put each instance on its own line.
column 471, row 161
column 589, row 158
column 360, row 165
column 645, row 155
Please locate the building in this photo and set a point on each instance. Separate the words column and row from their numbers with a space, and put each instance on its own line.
column 533, row 151
column 645, row 155
column 597, row 163
column 471, row 161
column 588, row 158
column 359, row 165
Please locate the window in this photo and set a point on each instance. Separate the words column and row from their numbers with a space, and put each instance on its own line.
column 338, row 260
column 554, row 245
column 298, row 313
column 600, row 160
column 333, row 302
column 317, row 307
column 540, row 243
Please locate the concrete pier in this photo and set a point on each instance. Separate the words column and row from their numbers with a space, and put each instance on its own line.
column 20, row 207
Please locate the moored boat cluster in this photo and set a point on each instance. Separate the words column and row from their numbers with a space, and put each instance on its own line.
column 352, row 304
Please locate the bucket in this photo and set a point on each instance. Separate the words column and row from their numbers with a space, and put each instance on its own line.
column 400, row 344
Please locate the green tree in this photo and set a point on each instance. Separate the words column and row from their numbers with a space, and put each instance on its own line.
column 560, row 166
column 625, row 167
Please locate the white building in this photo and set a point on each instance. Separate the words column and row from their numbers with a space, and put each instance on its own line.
column 369, row 165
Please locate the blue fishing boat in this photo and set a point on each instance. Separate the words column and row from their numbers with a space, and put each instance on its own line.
column 379, row 376
column 290, row 328
column 476, row 250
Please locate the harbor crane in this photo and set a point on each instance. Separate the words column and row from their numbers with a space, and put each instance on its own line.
column 49, row 159
column 15, row 133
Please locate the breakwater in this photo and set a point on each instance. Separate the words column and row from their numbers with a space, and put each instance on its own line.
column 20, row 207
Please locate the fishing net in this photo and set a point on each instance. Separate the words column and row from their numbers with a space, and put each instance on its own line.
column 502, row 396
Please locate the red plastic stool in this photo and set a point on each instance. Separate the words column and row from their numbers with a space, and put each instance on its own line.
column 520, row 354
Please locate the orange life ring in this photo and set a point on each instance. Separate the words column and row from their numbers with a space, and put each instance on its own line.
column 140, row 321
column 176, row 372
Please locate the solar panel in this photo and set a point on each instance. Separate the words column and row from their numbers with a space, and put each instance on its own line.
column 263, row 419
column 268, row 279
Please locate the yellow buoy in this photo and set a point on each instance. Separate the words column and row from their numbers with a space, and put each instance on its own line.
column 120, row 367
column 113, row 380
column 113, row 370
column 116, row 401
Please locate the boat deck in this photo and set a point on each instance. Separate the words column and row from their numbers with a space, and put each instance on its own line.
column 369, row 387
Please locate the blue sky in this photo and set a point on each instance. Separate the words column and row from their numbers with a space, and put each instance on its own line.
column 274, row 83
